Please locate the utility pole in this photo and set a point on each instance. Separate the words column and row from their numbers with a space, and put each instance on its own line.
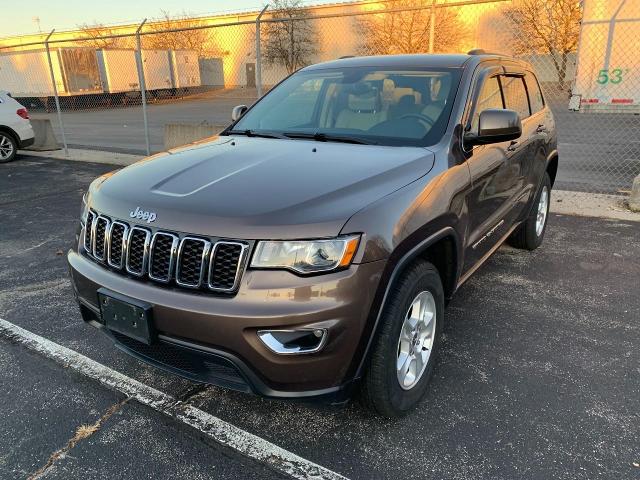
column 55, row 93
column 143, row 85
column 259, row 53
column 432, row 26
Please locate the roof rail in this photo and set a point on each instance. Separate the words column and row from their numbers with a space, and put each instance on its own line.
column 482, row 51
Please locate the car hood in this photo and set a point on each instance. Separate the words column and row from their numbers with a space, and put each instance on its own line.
column 256, row 188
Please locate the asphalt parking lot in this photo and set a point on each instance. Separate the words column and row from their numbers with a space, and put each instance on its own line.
column 539, row 375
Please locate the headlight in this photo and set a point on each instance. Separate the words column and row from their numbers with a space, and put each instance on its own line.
column 306, row 256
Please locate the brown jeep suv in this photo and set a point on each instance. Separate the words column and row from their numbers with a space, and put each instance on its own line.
column 310, row 248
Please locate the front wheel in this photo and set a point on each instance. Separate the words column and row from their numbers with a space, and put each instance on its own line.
column 8, row 148
column 405, row 349
column 530, row 234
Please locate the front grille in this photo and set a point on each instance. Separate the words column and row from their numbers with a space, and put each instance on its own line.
column 165, row 257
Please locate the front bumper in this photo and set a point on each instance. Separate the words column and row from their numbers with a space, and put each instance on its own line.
column 208, row 337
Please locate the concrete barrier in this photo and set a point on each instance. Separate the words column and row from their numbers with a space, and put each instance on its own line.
column 634, row 199
column 45, row 139
column 177, row 134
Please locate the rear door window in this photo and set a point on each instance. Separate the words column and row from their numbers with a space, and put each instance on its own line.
column 535, row 95
column 515, row 95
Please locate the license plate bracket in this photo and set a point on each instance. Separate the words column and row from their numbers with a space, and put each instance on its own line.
column 127, row 316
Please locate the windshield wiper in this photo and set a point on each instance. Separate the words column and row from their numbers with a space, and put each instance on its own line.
column 253, row 133
column 323, row 137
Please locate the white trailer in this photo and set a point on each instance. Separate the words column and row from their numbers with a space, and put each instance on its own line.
column 26, row 73
column 185, row 68
column 157, row 69
column 162, row 70
column 85, row 71
column 608, row 62
column 118, row 70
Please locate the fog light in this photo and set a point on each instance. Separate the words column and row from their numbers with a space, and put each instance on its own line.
column 294, row 342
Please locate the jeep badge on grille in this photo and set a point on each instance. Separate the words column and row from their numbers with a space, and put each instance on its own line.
column 143, row 215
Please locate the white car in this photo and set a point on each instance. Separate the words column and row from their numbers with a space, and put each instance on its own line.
column 15, row 128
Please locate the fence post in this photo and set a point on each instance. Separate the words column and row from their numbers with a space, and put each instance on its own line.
column 432, row 26
column 143, row 85
column 55, row 93
column 259, row 53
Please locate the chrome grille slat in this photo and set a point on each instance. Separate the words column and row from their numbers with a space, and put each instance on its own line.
column 162, row 256
column 225, row 264
column 99, row 231
column 138, row 251
column 88, row 245
column 117, row 244
column 165, row 257
column 190, row 268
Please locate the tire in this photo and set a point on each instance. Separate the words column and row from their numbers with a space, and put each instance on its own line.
column 381, row 389
column 529, row 235
column 8, row 147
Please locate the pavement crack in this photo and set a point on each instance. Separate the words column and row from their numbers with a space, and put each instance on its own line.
column 191, row 391
column 83, row 432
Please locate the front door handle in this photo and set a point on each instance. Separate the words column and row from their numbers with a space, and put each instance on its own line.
column 512, row 146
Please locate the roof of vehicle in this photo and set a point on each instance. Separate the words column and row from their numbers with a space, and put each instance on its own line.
column 414, row 60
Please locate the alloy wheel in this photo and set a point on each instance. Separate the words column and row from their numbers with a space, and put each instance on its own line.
column 416, row 340
column 6, row 147
column 543, row 205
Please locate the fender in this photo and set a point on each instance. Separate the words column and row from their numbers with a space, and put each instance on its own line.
column 527, row 211
column 10, row 131
column 399, row 266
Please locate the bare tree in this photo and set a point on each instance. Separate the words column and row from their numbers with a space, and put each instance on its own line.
column 95, row 34
column 290, row 43
column 201, row 40
column 546, row 26
column 397, row 32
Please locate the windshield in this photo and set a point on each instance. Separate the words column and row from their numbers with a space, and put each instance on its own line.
column 359, row 105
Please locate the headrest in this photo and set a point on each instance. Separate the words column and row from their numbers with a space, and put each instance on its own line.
column 364, row 102
column 401, row 92
column 443, row 92
column 388, row 86
column 407, row 101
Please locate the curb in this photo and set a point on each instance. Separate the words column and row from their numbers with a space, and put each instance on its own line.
column 91, row 156
column 597, row 205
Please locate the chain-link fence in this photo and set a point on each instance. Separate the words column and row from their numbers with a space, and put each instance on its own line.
column 118, row 91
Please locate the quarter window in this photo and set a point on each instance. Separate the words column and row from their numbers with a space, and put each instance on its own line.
column 515, row 95
column 535, row 95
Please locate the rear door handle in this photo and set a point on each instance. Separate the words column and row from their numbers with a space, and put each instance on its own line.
column 512, row 146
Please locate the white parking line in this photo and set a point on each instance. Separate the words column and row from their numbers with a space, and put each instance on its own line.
column 222, row 432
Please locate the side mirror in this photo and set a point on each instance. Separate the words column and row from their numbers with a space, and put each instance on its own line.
column 237, row 112
column 495, row 126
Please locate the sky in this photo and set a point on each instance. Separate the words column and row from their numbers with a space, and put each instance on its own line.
column 18, row 17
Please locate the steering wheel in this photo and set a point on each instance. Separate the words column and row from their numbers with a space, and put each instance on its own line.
column 427, row 120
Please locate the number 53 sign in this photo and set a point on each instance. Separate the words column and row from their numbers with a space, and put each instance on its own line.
column 614, row 76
